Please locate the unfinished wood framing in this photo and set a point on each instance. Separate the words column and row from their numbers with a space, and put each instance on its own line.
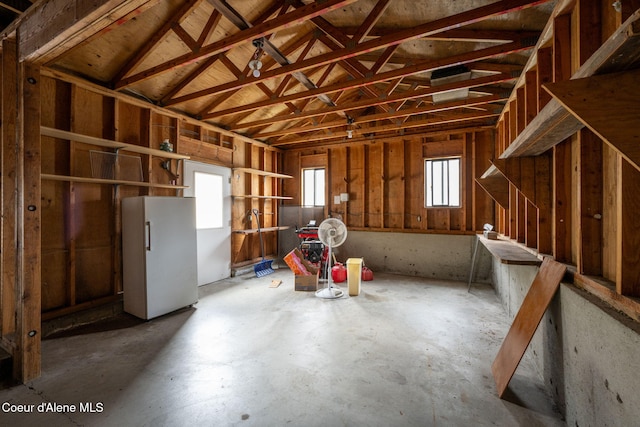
column 585, row 178
column 548, row 145
column 20, row 293
column 388, row 193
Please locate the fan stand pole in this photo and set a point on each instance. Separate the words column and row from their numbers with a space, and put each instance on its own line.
column 330, row 292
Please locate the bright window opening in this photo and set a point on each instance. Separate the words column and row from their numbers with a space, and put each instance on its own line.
column 209, row 200
column 313, row 187
column 442, row 182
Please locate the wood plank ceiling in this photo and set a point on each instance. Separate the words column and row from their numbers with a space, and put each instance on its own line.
column 330, row 69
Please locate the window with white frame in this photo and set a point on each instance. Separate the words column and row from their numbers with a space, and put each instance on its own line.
column 442, row 182
column 313, row 187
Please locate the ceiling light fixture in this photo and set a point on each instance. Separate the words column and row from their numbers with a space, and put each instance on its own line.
column 350, row 121
column 255, row 64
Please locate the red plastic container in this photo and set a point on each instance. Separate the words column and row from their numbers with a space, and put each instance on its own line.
column 338, row 273
column 366, row 274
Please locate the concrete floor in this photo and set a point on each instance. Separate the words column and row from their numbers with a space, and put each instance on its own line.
column 405, row 352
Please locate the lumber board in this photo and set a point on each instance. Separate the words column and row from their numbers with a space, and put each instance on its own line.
column 531, row 225
column 628, row 232
column 554, row 123
column 55, row 26
column 526, row 321
column 590, row 196
column 393, row 184
column 606, row 291
column 508, row 252
column 483, row 206
column 257, row 171
column 497, row 187
column 356, row 185
column 102, row 142
column 67, row 178
column 253, row 196
column 262, row 230
column 609, row 105
column 9, row 211
column 27, row 359
column 375, row 184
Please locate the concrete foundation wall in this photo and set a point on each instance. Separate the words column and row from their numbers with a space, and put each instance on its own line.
column 585, row 352
column 436, row 256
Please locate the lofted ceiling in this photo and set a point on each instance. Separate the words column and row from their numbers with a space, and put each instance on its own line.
column 330, row 68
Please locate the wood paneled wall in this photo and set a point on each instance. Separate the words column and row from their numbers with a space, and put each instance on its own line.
column 385, row 182
column 81, row 222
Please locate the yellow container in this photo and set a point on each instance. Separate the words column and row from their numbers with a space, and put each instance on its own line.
column 354, row 274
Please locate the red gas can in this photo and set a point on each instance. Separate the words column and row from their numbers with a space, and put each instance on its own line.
column 338, row 273
column 366, row 274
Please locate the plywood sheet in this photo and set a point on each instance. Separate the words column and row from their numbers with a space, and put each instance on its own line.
column 526, row 322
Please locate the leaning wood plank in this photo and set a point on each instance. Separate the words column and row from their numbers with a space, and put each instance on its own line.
column 609, row 105
column 554, row 123
column 526, row 322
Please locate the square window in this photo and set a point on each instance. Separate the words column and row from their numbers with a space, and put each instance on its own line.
column 442, row 182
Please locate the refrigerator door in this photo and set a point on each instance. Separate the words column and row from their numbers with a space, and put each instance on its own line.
column 134, row 272
column 170, row 253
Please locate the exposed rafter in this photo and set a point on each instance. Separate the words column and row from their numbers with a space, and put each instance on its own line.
column 327, row 66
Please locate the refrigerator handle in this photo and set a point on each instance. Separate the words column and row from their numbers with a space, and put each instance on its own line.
column 148, row 226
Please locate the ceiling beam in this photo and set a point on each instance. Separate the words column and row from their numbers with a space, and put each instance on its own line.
column 371, row 20
column 453, row 118
column 157, row 36
column 431, row 131
column 464, row 18
column 420, row 93
column 290, row 19
column 50, row 28
column 470, row 102
column 381, row 77
column 239, row 21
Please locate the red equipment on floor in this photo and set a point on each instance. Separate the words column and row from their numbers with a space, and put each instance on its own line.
column 311, row 247
column 338, row 272
column 367, row 274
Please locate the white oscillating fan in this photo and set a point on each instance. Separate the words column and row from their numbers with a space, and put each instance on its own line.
column 332, row 232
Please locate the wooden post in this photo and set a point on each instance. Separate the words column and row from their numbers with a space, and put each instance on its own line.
column 21, row 247
column 9, row 238
column 27, row 359
column 561, row 163
column 587, row 39
column 628, row 231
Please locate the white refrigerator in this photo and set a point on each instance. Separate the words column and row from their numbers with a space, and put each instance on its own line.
column 159, row 255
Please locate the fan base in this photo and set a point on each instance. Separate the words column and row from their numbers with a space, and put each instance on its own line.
column 330, row 293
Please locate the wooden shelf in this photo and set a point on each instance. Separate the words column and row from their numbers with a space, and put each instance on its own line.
column 508, row 252
column 251, row 196
column 554, row 123
column 255, row 230
column 101, row 142
column 261, row 172
column 51, row 177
